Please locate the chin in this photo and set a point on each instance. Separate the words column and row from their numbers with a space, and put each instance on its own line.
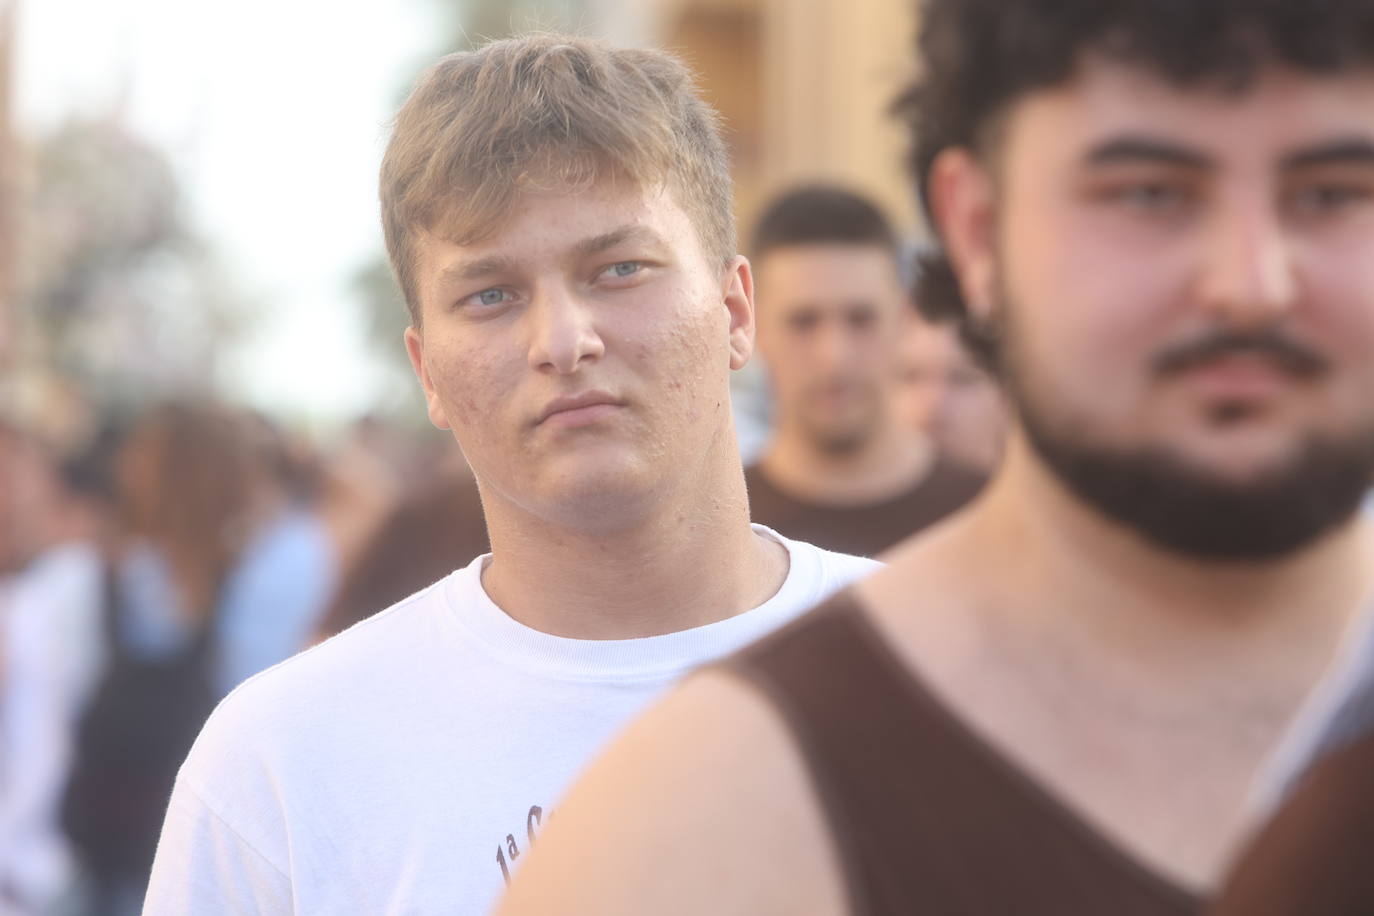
column 601, row 497
column 1239, row 491
column 839, row 437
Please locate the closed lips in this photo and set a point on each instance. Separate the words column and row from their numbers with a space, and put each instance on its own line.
column 577, row 402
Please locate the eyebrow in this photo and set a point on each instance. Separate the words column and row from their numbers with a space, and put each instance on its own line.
column 1121, row 150
column 480, row 268
column 1346, row 151
column 607, row 240
column 475, row 270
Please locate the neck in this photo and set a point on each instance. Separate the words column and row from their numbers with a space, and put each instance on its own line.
column 1071, row 574
column 691, row 560
column 886, row 464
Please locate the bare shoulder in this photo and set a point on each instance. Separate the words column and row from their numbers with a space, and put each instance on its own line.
column 704, row 805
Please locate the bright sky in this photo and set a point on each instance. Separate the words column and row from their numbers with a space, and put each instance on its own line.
column 273, row 111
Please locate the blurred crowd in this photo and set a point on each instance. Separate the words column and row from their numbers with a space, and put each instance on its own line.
column 145, row 573
column 162, row 559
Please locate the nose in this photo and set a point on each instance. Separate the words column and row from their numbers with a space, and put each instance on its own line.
column 1248, row 278
column 563, row 332
column 832, row 347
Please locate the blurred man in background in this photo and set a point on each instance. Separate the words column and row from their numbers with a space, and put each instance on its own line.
column 1161, row 216
column 840, row 470
column 948, row 396
column 577, row 307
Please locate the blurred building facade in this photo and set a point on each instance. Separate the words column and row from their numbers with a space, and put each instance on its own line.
column 805, row 86
column 806, row 89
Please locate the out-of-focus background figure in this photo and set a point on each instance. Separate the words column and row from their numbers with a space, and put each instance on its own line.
column 413, row 546
column 217, row 571
column 943, row 392
column 948, row 384
column 842, row 469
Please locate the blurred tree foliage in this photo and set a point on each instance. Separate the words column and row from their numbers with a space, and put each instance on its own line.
column 119, row 294
column 374, row 286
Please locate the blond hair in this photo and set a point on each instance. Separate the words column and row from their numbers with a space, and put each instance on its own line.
column 542, row 113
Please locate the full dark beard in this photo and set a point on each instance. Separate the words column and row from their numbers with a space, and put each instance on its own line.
column 1188, row 511
column 1184, row 509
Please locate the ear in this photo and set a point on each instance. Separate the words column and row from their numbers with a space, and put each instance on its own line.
column 738, row 296
column 415, row 346
column 961, row 191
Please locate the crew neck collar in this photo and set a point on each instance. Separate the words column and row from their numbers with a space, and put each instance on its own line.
column 665, row 655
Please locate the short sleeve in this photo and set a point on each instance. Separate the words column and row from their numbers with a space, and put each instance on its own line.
column 204, row 866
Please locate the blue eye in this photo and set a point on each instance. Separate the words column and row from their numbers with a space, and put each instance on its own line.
column 491, row 296
column 625, row 268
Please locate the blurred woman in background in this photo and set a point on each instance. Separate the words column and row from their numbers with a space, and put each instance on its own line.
column 217, row 572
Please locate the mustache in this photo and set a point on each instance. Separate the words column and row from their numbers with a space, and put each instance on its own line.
column 1293, row 357
column 836, row 385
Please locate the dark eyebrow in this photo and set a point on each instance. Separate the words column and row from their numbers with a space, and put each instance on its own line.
column 1347, row 151
column 1148, row 150
column 633, row 233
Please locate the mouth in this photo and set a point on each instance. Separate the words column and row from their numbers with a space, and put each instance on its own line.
column 1239, row 378
column 835, row 393
column 578, row 410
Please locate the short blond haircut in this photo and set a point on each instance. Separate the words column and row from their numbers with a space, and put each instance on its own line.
column 542, row 113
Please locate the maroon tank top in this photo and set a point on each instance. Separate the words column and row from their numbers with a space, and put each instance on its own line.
column 927, row 817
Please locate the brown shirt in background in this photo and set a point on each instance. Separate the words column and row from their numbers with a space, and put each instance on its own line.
column 863, row 530
column 436, row 529
column 926, row 816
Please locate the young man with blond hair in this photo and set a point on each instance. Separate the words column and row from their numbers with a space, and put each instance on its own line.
column 558, row 215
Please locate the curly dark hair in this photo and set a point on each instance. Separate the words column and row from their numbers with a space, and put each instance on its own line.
column 979, row 56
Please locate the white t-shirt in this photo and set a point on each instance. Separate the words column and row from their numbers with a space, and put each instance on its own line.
column 405, row 766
